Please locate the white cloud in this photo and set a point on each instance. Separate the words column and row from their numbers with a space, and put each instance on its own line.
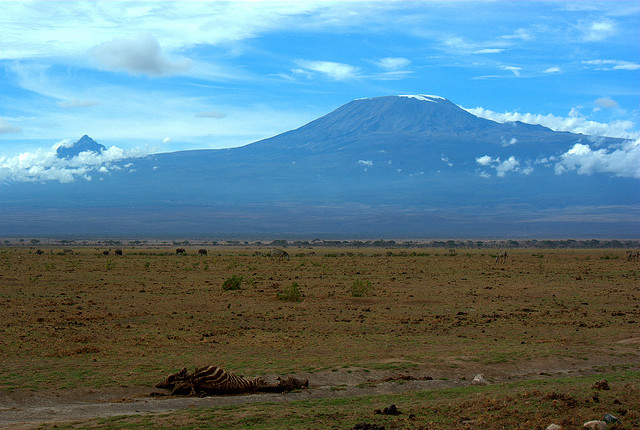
column 166, row 140
column 44, row 165
column 446, row 161
column 485, row 160
column 512, row 69
column 574, row 123
column 599, row 30
column 393, row 63
column 81, row 25
column 7, row 127
column 511, row 164
column 75, row 103
column 612, row 64
column 607, row 103
column 212, row 114
column 509, row 142
column 622, row 160
column 521, row 34
column 336, row 71
column 488, row 51
column 366, row 164
column 552, row 70
column 139, row 55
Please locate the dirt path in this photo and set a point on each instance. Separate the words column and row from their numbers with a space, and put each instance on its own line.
column 26, row 410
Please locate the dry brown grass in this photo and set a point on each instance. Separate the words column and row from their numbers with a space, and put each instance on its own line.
column 93, row 320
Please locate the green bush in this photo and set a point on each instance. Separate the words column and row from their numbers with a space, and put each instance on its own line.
column 360, row 288
column 291, row 294
column 233, row 283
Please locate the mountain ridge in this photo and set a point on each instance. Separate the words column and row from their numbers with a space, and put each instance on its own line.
column 414, row 165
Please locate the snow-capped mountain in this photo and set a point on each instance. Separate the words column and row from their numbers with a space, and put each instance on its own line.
column 417, row 166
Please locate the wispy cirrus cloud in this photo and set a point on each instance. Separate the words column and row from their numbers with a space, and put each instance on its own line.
column 612, row 65
column 329, row 69
column 598, row 30
column 76, row 103
column 393, row 63
column 7, row 127
column 211, row 114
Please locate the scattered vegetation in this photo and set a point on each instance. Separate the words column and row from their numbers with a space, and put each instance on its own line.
column 360, row 288
column 232, row 283
column 291, row 294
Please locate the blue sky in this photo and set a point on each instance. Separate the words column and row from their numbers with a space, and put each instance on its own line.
column 166, row 76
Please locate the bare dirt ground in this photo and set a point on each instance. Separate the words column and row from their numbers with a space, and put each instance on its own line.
column 85, row 335
column 27, row 410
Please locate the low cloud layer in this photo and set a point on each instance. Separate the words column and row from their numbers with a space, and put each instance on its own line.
column 622, row 160
column 502, row 167
column 44, row 165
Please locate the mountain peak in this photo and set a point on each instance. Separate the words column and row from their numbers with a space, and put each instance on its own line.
column 85, row 143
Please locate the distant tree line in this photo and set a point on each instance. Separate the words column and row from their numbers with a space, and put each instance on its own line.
column 380, row 243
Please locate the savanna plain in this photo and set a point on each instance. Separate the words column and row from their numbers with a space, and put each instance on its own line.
column 367, row 327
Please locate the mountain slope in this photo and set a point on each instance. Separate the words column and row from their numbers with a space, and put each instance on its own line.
column 406, row 165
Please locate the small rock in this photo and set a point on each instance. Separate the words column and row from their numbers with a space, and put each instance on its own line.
column 554, row 427
column 610, row 419
column 595, row 425
column 479, row 380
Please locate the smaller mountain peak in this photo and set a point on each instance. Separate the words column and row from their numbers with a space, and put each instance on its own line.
column 84, row 144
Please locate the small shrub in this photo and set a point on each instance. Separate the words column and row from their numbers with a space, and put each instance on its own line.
column 360, row 288
column 232, row 283
column 291, row 294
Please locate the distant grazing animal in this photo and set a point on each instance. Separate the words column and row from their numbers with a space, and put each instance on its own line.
column 39, row 252
column 279, row 254
column 105, row 252
column 211, row 380
column 181, row 251
column 118, row 252
column 633, row 255
column 202, row 251
column 68, row 251
column 501, row 257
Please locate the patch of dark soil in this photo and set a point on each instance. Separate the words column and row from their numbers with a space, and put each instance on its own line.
column 367, row 426
column 389, row 410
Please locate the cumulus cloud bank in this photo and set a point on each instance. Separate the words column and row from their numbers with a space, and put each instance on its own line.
column 574, row 123
column 623, row 160
column 44, row 165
